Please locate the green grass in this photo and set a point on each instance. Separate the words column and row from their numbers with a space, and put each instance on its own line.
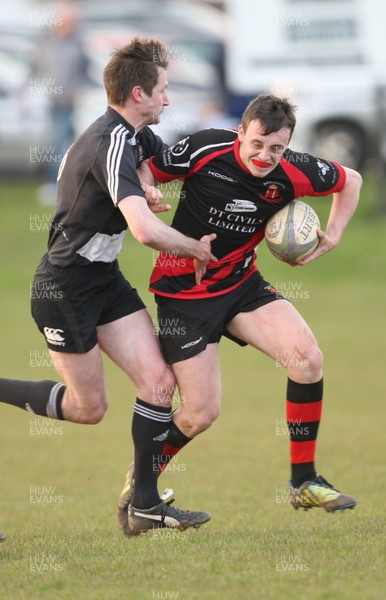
column 256, row 547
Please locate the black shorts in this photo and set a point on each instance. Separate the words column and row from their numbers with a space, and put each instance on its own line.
column 69, row 303
column 186, row 327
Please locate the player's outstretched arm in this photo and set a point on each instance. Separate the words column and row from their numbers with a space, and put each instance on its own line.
column 343, row 207
column 147, row 229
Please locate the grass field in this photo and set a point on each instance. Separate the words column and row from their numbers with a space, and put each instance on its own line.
column 60, row 481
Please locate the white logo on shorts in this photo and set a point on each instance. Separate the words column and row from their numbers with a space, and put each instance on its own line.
column 53, row 336
column 191, row 343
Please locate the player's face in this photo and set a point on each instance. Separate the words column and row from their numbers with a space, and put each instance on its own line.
column 155, row 104
column 261, row 153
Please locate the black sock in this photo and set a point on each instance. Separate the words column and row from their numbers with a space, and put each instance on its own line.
column 303, row 472
column 173, row 444
column 150, row 428
column 176, row 437
column 39, row 397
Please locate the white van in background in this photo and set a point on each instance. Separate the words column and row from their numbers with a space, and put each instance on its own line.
column 328, row 56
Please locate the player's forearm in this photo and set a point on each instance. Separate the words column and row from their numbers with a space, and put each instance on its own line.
column 343, row 206
column 144, row 173
column 159, row 236
column 150, row 231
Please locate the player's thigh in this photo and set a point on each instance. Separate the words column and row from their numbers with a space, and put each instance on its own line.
column 132, row 344
column 83, row 375
column 199, row 383
column 276, row 328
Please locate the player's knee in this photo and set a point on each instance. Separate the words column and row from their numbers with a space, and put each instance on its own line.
column 198, row 422
column 207, row 419
column 317, row 358
column 160, row 388
column 88, row 412
column 313, row 358
column 96, row 414
column 306, row 359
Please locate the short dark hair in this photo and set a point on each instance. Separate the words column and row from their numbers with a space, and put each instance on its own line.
column 137, row 63
column 272, row 112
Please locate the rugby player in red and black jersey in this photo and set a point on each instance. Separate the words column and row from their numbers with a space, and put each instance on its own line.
column 80, row 300
column 233, row 182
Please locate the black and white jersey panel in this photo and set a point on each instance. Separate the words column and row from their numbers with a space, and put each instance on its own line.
column 98, row 171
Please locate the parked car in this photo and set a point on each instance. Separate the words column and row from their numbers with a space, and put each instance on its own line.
column 193, row 38
column 194, row 82
column 23, row 116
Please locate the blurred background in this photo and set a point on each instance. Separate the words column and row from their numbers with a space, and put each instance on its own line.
column 52, row 58
column 328, row 56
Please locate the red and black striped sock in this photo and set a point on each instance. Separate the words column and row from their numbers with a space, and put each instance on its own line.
column 304, row 409
column 175, row 441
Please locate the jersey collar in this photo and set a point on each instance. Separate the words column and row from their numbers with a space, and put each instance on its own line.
column 117, row 117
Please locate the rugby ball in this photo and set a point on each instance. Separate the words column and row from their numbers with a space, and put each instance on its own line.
column 291, row 232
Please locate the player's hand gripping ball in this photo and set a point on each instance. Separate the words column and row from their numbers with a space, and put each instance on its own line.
column 291, row 232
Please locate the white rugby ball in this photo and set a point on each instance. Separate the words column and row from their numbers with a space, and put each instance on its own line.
column 291, row 232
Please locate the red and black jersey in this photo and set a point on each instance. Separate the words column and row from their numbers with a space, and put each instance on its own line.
column 220, row 195
column 98, row 171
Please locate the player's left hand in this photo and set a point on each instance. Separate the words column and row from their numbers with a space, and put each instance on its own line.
column 154, row 197
column 200, row 265
column 325, row 244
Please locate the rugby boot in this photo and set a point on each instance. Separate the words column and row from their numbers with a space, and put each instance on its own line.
column 165, row 515
column 319, row 494
column 125, row 500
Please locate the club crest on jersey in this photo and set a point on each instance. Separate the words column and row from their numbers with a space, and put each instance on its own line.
column 180, row 147
column 272, row 194
column 240, row 206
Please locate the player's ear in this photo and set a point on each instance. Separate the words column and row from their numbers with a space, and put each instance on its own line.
column 240, row 133
column 137, row 93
